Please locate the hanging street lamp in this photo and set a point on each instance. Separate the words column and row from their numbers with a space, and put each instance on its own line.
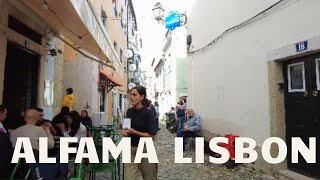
column 173, row 20
column 158, row 12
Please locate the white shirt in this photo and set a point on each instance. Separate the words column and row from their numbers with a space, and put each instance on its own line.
column 33, row 133
column 82, row 132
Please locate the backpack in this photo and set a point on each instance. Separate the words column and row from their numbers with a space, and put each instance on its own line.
column 155, row 122
column 153, row 110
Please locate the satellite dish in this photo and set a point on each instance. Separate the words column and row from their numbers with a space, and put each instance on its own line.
column 132, row 67
column 135, row 74
column 128, row 53
column 131, row 85
column 132, row 39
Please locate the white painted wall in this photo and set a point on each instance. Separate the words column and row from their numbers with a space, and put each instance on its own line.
column 49, row 75
column 168, row 77
column 229, row 80
column 82, row 75
column 115, row 102
column 180, row 62
column 175, row 74
column 159, row 86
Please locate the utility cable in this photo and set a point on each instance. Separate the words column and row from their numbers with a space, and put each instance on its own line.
column 85, row 55
column 61, row 22
column 236, row 27
column 80, row 37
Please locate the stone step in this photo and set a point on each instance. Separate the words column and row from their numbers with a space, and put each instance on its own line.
column 290, row 175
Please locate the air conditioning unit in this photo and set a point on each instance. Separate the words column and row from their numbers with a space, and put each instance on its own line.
column 99, row 119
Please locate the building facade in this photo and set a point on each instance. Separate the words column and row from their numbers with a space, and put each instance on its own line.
column 100, row 88
column 103, row 90
column 253, row 72
column 158, row 82
column 27, row 69
column 42, row 44
column 170, row 70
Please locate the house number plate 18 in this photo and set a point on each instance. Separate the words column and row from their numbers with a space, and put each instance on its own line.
column 302, row 46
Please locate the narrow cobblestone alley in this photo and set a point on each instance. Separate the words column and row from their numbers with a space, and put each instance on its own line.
column 168, row 170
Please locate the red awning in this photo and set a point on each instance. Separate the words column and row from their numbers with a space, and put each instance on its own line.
column 110, row 79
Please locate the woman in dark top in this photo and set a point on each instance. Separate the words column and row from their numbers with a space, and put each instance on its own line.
column 61, row 118
column 75, row 127
column 85, row 119
column 141, row 126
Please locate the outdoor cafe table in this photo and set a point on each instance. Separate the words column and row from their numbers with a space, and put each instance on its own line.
column 100, row 132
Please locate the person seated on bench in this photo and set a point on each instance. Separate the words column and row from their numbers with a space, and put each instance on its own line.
column 191, row 127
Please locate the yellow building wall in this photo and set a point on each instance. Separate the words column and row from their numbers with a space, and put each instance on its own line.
column 116, row 33
column 69, row 54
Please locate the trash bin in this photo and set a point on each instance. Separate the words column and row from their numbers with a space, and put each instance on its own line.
column 170, row 119
column 231, row 148
column 230, row 145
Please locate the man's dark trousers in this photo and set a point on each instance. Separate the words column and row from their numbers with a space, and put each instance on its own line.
column 186, row 134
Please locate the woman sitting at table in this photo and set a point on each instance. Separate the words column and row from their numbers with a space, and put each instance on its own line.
column 85, row 119
column 61, row 118
column 76, row 128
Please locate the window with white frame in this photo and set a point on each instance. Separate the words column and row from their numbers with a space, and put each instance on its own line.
column 115, row 45
column 121, row 55
column 318, row 73
column 296, row 77
column 115, row 11
column 48, row 93
column 104, row 18
column 121, row 20
column 121, row 23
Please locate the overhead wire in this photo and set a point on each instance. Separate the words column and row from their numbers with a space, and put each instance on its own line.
column 61, row 22
column 250, row 20
column 80, row 37
column 85, row 55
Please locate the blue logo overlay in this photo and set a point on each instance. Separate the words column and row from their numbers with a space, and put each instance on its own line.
column 173, row 20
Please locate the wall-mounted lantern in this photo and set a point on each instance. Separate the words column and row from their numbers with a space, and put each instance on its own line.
column 158, row 12
column 53, row 52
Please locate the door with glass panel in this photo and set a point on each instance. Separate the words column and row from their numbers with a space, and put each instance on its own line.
column 302, row 108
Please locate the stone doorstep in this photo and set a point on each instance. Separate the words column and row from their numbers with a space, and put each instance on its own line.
column 290, row 175
column 207, row 135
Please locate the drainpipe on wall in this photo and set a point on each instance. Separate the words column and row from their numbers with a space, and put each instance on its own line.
column 128, row 93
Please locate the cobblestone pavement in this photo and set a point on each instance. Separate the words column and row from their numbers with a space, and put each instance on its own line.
column 168, row 170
